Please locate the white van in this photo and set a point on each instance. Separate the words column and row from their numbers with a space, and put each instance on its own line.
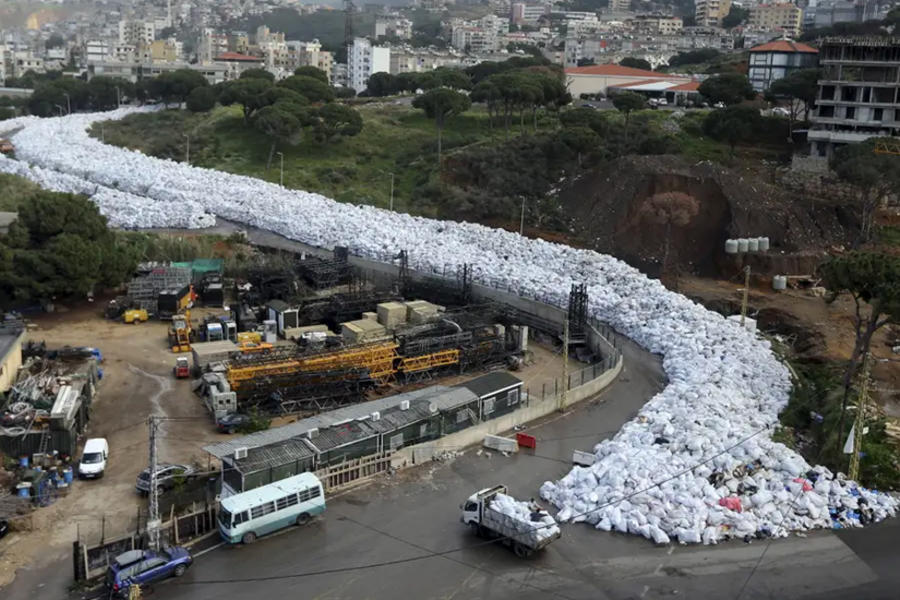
column 93, row 459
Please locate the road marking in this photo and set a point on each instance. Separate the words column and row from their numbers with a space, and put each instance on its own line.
column 658, row 568
column 202, row 552
column 645, row 590
column 671, row 550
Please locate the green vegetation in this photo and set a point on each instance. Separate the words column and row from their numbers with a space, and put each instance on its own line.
column 811, row 426
column 708, row 61
column 729, row 88
column 60, row 246
column 733, row 124
column 636, row 63
column 876, row 174
column 736, row 15
column 889, row 235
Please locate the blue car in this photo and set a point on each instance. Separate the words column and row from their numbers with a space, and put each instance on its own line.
column 142, row 567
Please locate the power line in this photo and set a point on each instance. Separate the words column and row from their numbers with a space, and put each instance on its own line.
column 461, row 548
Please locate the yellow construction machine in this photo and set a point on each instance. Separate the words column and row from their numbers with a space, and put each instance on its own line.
column 135, row 315
column 181, row 334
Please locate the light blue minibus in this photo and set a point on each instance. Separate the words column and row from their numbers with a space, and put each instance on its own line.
column 293, row 501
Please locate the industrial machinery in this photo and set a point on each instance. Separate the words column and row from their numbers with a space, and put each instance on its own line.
column 182, row 368
column 181, row 334
column 135, row 315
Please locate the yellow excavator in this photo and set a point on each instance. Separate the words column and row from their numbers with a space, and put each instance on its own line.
column 181, row 334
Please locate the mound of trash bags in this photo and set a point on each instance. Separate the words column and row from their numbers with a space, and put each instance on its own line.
column 528, row 517
column 697, row 464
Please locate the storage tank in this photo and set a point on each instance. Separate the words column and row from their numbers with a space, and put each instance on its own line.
column 763, row 244
column 743, row 245
column 731, row 246
column 753, row 245
column 779, row 282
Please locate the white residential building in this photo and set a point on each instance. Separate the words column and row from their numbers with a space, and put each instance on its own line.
column 398, row 27
column 419, row 60
column 2, row 63
column 521, row 13
column 364, row 59
column 709, row 13
column 137, row 32
column 96, row 51
column 468, row 38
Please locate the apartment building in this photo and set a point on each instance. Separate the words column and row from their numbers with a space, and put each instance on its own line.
column 859, row 92
column 393, row 26
column 136, row 33
column 709, row 13
column 657, row 24
column 310, row 54
column 521, row 13
column 419, row 60
column 784, row 17
column 364, row 59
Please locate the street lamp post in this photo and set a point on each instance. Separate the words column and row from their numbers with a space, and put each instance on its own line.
column 118, row 97
column 391, row 205
column 281, row 172
column 187, row 153
column 60, row 109
column 522, row 219
column 68, row 103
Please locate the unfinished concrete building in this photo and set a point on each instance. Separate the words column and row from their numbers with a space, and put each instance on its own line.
column 859, row 92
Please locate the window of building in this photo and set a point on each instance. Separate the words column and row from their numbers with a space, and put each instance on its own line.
column 512, row 397
column 866, row 94
column 850, row 112
column 827, row 92
column 826, row 111
column 848, row 94
column 423, row 431
column 878, row 114
column 396, row 441
column 488, row 406
column 461, row 416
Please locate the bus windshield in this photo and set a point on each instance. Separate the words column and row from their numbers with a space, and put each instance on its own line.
column 224, row 517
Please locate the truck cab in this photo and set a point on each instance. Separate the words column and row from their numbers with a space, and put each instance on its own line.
column 473, row 507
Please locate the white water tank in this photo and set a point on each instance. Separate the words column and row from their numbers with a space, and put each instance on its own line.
column 731, row 246
column 743, row 245
column 753, row 245
column 779, row 282
column 763, row 244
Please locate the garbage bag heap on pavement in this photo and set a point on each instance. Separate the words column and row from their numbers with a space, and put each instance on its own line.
column 697, row 464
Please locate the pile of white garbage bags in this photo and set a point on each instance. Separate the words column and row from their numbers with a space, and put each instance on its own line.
column 530, row 519
column 698, row 463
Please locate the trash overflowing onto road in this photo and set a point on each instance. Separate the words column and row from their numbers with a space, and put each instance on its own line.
column 698, row 463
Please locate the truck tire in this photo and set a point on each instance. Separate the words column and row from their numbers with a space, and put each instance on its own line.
column 476, row 529
column 521, row 550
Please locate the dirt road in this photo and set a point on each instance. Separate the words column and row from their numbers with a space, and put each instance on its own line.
column 137, row 382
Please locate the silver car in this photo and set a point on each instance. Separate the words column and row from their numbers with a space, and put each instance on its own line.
column 167, row 475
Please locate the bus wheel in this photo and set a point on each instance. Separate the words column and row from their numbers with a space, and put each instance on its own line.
column 303, row 519
column 249, row 537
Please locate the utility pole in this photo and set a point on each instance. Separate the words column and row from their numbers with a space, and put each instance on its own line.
column 187, row 154
column 522, row 219
column 68, row 103
column 391, row 205
column 746, row 294
column 281, row 175
column 153, row 521
column 118, row 97
column 565, row 372
column 860, row 422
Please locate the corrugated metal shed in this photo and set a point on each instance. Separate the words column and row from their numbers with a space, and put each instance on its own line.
column 439, row 395
column 492, row 383
column 394, row 418
column 336, row 436
column 263, row 457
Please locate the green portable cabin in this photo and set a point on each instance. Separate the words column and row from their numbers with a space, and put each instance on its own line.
column 499, row 393
column 342, row 442
column 458, row 408
column 412, row 422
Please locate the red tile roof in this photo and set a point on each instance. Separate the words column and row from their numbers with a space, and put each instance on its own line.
column 784, row 46
column 236, row 56
column 690, row 86
column 614, row 71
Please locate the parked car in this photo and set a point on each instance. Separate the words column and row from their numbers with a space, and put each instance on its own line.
column 167, row 475
column 93, row 459
column 141, row 567
column 662, row 102
column 780, row 111
column 233, row 422
column 4, row 528
column 719, row 105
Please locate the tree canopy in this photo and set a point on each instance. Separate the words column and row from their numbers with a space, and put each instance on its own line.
column 872, row 279
column 736, row 15
column 732, row 124
column 439, row 104
column 876, row 174
column 627, row 102
column 636, row 63
column 59, row 246
column 802, row 85
column 729, row 88
column 336, row 120
column 315, row 90
column 201, row 99
column 257, row 74
column 692, row 57
column 314, row 72
column 252, row 94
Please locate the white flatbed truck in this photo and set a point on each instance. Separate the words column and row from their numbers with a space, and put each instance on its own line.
column 524, row 537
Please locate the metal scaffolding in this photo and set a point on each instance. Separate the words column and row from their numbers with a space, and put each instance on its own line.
column 145, row 290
